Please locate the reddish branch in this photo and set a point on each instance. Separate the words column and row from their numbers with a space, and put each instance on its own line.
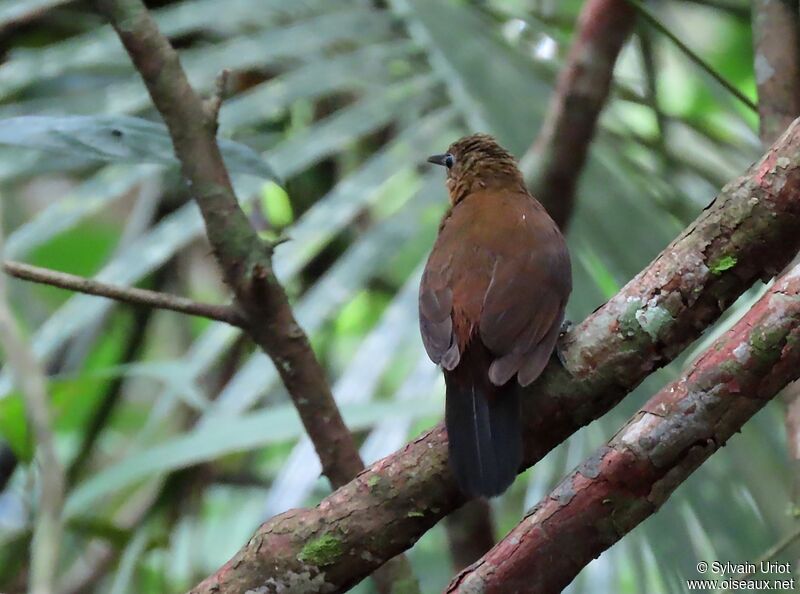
column 776, row 44
column 627, row 480
column 581, row 92
column 749, row 232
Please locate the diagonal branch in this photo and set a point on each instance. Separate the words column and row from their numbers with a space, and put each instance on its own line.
column 245, row 260
column 749, row 232
column 628, row 480
column 560, row 150
column 221, row 313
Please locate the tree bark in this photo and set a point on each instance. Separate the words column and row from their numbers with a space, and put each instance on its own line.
column 628, row 480
column 749, row 232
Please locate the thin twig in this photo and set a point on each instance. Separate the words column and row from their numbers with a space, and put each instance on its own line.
column 736, row 10
column 691, row 54
column 135, row 296
column 772, row 552
column 213, row 104
column 647, row 52
column 28, row 375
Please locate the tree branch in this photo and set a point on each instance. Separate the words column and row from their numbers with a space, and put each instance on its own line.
column 583, row 86
column 776, row 45
column 245, row 260
column 776, row 41
column 749, row 232
column 627, row 480
column 132, row 295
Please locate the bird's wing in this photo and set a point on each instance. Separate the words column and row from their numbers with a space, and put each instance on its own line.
column 435, row 316
column 523, row 307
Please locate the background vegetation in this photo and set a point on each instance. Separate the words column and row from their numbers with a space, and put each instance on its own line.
column 177, row 434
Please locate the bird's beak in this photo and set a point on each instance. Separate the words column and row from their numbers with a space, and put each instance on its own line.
column 437, row 159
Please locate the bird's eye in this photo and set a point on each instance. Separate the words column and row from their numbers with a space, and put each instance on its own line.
column 449, row 160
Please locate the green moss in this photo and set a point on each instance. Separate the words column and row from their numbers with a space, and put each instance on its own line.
column 766, row 346
column 321, row 551
column 653, row 320
column 730, row 367
column 415, row 514
column 725, row 263
column 373, row 481
column 628, row 324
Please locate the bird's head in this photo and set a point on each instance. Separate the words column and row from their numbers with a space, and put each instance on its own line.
column 478, row 162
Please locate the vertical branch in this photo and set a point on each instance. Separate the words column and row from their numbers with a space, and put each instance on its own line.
column 560, row 151
column 776, row 48
column 29, row 377
column 470, row 532
column 776, row 44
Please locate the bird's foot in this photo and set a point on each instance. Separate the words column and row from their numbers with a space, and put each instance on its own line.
column 566, row 326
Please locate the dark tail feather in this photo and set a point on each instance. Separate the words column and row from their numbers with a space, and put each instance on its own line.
column 483, row 428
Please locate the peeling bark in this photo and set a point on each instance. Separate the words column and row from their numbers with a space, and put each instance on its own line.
column 749, row 232
column 627, row 480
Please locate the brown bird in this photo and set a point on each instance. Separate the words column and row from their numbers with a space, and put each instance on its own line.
column 491, row 304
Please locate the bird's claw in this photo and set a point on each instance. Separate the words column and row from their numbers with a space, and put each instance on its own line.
column 566, row 326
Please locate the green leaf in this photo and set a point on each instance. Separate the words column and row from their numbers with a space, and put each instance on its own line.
column 226, row 435
column 723, row 264
column 122, row 139
column 101, row 47
column 358, row 382
column 14, row 427
column 99, row 191
column 362, row 69
column 19, row 10
column 494, row 86
column 123, row 579
column 275, row 205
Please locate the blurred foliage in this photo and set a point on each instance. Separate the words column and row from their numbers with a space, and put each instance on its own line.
column 196, row 442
